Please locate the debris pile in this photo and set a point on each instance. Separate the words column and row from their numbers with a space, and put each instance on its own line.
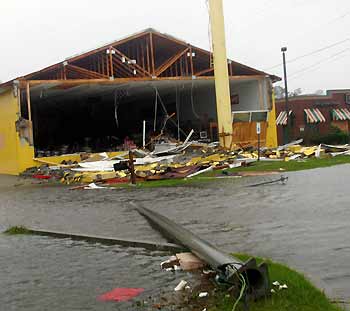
column 169, row 160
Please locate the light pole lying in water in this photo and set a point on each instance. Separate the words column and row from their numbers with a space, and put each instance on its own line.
column 228, row 268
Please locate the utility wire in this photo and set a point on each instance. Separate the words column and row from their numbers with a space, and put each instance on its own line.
column 306, row 71
column 319, row 62
column 337, row 18
column 320, row 26
column 311, row 53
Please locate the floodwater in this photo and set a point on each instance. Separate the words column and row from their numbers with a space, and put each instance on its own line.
column 304, row 224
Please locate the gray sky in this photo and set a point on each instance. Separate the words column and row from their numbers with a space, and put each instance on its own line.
column 38, row 33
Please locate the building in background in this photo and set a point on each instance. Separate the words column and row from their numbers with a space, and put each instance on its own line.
column 313, row 115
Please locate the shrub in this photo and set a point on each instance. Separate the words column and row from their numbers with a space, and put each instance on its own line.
column 334, row 136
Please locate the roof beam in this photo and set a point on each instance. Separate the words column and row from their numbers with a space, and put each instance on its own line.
column 88, row 73
column 170, row 62
column 129, row 80
column 134, row 66
column 121, row 66
column 114, row 44
column 202, row 72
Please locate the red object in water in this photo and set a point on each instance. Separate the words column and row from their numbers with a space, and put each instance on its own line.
column 41, row 176
column 121, row 294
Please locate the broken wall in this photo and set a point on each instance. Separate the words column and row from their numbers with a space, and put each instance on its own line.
column 253, row 95
column 15, row 152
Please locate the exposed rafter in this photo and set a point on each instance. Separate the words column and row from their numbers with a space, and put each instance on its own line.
column 170, row 61
column 131, row 63
column 148, row 54
column 87, row 73
column 202, row 72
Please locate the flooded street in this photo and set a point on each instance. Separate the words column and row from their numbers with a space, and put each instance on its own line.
column 304, row 224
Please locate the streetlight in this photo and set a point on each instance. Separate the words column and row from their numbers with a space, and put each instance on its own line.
column 283, row 50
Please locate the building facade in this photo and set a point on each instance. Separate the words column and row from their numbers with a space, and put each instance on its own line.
column 93, row 102
column 312, row 115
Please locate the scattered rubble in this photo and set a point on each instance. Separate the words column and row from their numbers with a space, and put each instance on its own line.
column 180, row 286
column 169, row 161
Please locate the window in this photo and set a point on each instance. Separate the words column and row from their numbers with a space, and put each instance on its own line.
column 241, row 116
column 250, row 116
column 259, row 116
column 347, row 98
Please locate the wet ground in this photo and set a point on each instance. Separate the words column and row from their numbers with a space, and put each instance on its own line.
column 304, row 224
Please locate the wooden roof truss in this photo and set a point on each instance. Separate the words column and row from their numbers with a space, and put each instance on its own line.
column 147, row 55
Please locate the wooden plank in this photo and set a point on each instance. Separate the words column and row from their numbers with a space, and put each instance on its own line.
column 170, row 61
column 170, row 38
column 111, row 71
column 107, row 64
column 186, row 64
column 103, row 71
column 191, row 61
column 124, row 69
column 64, row 72
column 181, row 67
column 134, row 66
column 143, row 56
column 199, row 73
column 126, row 80
column 47, row 69
column 152, row 53
column 89, row 73
column 114, row 44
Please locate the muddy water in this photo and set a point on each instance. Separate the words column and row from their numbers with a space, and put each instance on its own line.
column 304, row 224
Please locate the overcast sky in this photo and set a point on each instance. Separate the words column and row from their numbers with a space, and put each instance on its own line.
column 38, row 33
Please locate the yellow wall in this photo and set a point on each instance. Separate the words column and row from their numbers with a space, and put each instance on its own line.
column 15, row 153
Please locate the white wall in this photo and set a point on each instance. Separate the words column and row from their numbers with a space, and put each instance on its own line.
column 253, row 95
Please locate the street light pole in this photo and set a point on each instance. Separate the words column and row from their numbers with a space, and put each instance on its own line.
column 283, row 50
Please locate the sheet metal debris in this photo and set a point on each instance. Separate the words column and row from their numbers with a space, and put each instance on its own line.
column 168, row 160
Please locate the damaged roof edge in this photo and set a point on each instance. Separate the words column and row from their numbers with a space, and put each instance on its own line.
column 130, row 37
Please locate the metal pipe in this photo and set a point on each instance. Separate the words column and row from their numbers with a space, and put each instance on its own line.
column 227, row 266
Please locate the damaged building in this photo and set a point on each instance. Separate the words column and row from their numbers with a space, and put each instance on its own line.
column 100, row 100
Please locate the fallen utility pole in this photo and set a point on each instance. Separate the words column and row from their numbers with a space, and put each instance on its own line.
column 229, row 268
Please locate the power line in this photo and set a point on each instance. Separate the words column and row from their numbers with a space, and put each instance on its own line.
column 311, row 53
column 297, row 74
column 338, row 18
column 319, row 62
